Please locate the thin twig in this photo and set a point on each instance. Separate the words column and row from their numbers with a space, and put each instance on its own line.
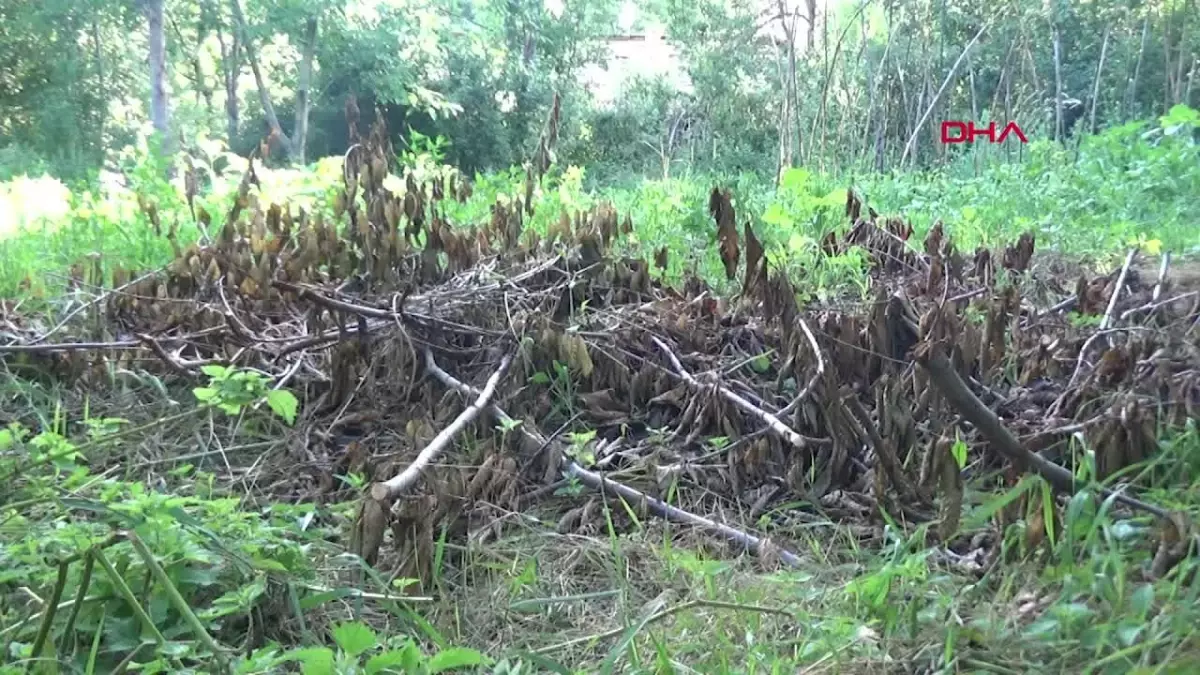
column 798, row 441
column 1162, row 276
column 812, row 381
column 933, row 102
column 1116, row 293
column 1079, row 361
column 173, row 363
column 968, row 295
column 1155, row 305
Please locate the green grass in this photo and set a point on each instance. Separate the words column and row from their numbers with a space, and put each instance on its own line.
column 638, row 596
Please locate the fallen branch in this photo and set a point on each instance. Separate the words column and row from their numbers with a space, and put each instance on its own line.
column 1153, row 306
column 883, row 451
column 659, row 616
column 42, row 348
column 69, row 347
column 1112, row 300
column 172, row 362
column 812, row 381
column 399, row 313
column 969, row 295
column 397, row 485
column 1162, row 276
column 798, row 441
column 935, row 363
column 749, row 542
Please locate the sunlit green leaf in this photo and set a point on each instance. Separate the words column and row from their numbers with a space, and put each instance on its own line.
column 354, row 638
column 284, row 404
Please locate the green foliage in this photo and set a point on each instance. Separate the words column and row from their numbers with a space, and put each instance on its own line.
column 211, row 566
column 1131, row 185
column 231, row 391
column 1128, row 185
column 359, row 650
column 353, row 640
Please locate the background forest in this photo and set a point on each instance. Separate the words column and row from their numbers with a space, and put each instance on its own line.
column 657, row 97
column 191, row 496
column 738, row 86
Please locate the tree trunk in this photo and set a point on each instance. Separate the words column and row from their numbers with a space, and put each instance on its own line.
column 906, row 122
column 874, row 79
column 795, row 141
column 1179, row 65
column 1187, row 94
column 264, row 95
column 1179, row 75
column 812, row 24
column 1008, row 112
column 1058, row 84
column 303, row 89
column 98, row 56
column 1096, row 84
column 231, row 63
column 789, row 118
column 784, row 158
column 974, row 96
column 1168, row 80
column 159, row 113
column 1131, row 92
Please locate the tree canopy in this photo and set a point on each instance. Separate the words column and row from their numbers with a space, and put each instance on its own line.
column 853, row 85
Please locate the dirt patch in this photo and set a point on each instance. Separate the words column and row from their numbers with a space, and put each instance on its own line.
column 1182, row 272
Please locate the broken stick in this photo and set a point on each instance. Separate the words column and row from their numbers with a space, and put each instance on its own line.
column 395, row 486
column 1106, row 320
column 755, row 545
column 788, row 434
column 934, row 361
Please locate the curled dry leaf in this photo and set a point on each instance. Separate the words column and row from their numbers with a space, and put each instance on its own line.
column 720, row 205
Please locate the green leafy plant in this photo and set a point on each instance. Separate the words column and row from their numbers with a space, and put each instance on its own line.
column 359, row 650
column 580, row 448
column 230, row 391
column 200, row 563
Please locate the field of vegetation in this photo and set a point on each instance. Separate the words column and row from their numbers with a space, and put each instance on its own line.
column 749, row 376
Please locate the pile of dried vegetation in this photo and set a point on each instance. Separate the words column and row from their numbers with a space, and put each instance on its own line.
column 468, row 372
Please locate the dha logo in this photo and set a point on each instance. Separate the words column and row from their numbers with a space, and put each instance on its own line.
column 967, row 132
